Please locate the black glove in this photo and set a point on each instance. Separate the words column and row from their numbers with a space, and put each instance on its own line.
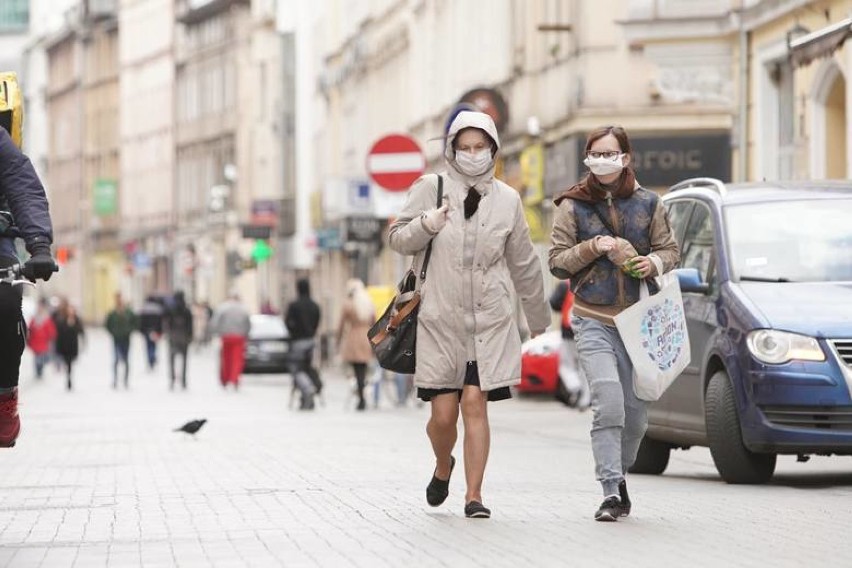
column 40, row 266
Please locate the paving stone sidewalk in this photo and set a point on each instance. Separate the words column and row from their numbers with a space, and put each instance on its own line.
column 99, row 478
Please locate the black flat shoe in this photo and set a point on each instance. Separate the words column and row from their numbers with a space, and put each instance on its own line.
column 438, row 489
column 476, row 510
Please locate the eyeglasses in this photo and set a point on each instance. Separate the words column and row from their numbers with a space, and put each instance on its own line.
column 609, row 155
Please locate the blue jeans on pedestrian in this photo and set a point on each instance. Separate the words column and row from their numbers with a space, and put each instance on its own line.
column 151, row 351
column 122, row 352
column 41, row 361
column 619, row 417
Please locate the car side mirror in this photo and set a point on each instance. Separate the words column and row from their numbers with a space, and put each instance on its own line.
column 690, row 281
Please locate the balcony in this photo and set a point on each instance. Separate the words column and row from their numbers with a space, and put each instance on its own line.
column 101, row 9
column 191, row 12
column 649, row 20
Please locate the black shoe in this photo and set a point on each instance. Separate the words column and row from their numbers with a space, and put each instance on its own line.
column 438, row 489
column 476, row 510
column 609, row 510
column 625, row 498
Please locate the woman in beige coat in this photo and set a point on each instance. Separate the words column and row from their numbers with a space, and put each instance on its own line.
column 356, row 317
column 468, row 343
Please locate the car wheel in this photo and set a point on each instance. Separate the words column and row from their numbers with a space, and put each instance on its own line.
column 653, row 457
column 735, row 463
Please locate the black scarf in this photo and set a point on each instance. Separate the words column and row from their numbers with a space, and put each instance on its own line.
column 471, row 202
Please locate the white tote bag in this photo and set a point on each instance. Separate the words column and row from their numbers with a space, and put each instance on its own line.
column 654, row 333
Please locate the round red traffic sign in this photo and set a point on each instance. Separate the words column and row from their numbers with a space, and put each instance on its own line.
column 395, row 161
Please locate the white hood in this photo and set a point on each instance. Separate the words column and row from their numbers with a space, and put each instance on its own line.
column 470, row 119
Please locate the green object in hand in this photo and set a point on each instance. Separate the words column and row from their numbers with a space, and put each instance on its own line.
column 630, row 269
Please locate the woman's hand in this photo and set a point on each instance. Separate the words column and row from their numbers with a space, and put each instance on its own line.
column 434, row 219
column 642, row 265
column 604, row 244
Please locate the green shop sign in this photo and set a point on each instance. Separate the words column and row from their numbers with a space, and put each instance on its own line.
column 106, row 197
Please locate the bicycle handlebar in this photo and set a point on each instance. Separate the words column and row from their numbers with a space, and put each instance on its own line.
column 14, row 275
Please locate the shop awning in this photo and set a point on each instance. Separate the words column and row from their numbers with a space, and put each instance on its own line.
column 820, row 43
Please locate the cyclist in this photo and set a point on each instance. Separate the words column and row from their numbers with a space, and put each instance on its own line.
column 23, row 213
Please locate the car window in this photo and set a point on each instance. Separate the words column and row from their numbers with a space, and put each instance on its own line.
column 267, row 326
column 678, row 216
column 697, row 250
column 766, row 245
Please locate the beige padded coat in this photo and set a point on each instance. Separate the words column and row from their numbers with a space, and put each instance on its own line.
column 467, row 298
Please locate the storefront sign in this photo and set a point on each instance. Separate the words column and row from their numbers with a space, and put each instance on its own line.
column 363, row 230
column 661, row 161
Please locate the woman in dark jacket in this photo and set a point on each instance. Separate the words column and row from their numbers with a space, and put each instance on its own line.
column 69, row 329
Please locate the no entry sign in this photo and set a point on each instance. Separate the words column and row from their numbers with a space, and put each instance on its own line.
column 395, row 161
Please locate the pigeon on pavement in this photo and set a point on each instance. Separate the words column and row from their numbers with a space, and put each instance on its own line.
column 192, row 426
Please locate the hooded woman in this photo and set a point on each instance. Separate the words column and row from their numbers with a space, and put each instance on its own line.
column 468, row 342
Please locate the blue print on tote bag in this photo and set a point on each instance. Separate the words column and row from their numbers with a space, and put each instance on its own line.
column 663, row 333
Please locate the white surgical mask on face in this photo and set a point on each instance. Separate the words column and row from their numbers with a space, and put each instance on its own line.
column 474, row 164
column 604, row 166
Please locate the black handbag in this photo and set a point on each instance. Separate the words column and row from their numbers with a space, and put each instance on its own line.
column 394, row 336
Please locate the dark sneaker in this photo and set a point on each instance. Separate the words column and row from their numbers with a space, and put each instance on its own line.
column 438, row 489
column 609, row 510
column 625, row 498
column 476, row 510
column 10, row 421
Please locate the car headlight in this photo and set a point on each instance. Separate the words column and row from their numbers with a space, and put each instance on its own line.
column 776, row 347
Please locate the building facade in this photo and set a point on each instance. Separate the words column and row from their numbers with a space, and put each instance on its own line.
column 788, row 66
column 228, row 149
column 146, row 125
column 548, row 71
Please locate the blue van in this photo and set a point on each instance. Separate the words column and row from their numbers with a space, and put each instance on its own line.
column 766, row 278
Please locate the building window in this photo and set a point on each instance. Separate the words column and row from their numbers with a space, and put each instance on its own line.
column 783, row 79
column 14, row 15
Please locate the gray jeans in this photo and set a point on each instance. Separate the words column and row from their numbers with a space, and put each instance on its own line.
column 620, row 419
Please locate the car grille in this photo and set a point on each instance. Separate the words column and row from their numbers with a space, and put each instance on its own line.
column 844, row 350
column 811, row 417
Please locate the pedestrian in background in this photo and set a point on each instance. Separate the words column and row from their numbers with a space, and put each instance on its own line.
column 468, row 339
column 41, row 332
column 570, row 376
column 232, row 323
column 201, row 325
column 267, row 309
column 604, row 225
column 151, row 327
column 302, row 320
column 178, row 326
column 121, row 322
column 356, row 316
column 57, row 305
column 69, row 330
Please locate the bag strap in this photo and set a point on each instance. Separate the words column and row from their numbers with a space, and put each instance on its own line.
column 429, row 246
column 604, row 220
column 644, row 292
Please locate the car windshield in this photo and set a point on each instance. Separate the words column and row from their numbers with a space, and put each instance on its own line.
column 791, row 241
column 267, row 326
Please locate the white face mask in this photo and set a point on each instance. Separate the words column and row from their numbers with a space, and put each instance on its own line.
column 604, row 166
column 474, row 164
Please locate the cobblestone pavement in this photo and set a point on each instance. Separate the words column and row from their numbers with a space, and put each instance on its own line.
column 99, row 478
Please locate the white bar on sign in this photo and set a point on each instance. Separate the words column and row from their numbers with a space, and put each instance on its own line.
column 396, row 163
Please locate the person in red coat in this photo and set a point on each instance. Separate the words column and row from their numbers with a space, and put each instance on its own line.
column 41, row 333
